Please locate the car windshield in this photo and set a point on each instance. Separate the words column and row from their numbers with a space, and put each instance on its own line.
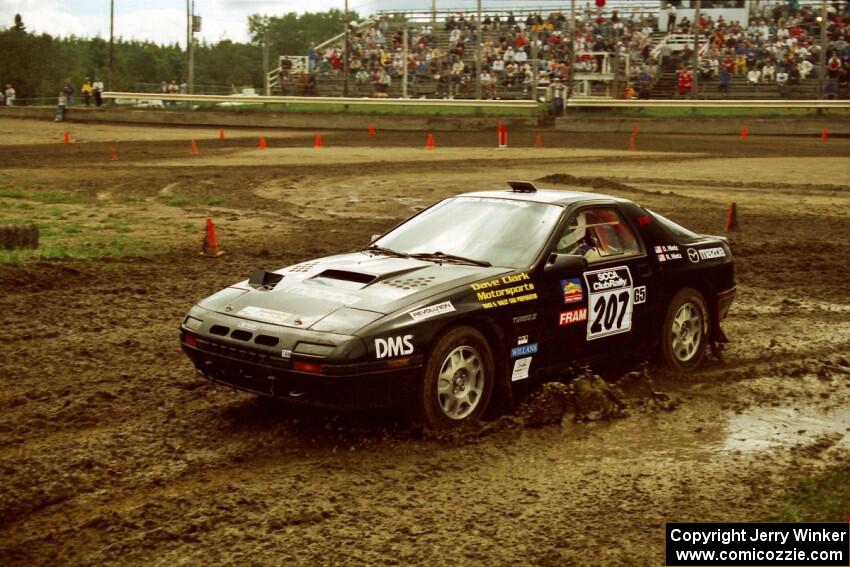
column 501, row 232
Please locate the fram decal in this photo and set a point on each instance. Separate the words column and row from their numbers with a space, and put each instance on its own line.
column 393, row 346
column 524, row 350
column 573, row 290
column 574, row 316
column 522, row 366
column 507, row 290
column 432, row 311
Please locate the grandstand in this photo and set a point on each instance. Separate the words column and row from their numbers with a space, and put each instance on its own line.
column 628, row 48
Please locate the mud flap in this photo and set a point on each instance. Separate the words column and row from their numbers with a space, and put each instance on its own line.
column 716, row 336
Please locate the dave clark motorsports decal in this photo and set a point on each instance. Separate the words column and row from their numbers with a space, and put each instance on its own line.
column 507, row 290
column 609, row 304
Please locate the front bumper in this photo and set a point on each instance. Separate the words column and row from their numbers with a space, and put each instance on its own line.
column 339, row 386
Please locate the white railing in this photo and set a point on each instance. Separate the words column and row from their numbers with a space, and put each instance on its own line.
column 607, row 103
column 527, row 104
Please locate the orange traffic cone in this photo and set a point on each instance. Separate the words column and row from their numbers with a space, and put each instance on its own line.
column 221, row 134
column 66, row 138
column 210, row 246
column 503, row 136
column 632, row 147
column 318, row 143
column 262, row 144
column 194, row 148
column 430, row 143
column 824, row 134
column 538, row 141
column 372, row 130
column 113, row 155
column 634, row 128
column 732, row 218
column 744, row 133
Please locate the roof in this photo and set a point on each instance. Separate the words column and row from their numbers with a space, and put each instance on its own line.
column 551, row 196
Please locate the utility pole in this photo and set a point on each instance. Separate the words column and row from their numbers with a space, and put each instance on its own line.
column 190, row 45
column 433, row 14
column 111, row 42
column 823, row 22
column 478, row 40
column 266, row 62
column 535, row 70
column 404, row 69
column 696, row 32
column 572, row 48
column 345, row 51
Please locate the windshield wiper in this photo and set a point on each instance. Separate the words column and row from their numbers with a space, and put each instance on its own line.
column 387, row 251
column 443, row 256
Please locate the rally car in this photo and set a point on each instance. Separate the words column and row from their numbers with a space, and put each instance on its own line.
column 450, row 308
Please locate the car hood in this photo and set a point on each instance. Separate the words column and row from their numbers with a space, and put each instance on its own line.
column 346, row 292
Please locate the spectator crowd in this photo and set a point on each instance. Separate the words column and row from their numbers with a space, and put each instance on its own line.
column 779, row 46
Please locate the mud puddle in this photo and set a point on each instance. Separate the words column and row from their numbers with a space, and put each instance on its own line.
column 763, row 429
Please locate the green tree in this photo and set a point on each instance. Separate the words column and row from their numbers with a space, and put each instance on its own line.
column 19, row 24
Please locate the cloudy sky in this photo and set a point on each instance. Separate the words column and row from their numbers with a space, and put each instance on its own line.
column 164, row 21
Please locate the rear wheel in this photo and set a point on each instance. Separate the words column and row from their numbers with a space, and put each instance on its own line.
column 685, row 332
column 458, row 379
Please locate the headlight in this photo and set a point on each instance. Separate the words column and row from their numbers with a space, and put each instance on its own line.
column 192, row 324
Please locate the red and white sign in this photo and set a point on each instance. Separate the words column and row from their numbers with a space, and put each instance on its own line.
column 574, row 316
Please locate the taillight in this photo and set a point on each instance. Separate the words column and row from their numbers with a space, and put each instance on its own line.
column 311, row 367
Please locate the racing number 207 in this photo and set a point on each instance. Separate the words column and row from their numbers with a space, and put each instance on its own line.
column 609, row 311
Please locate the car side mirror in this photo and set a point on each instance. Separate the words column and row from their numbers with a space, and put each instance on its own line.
column 374, row 238
column 565, row 263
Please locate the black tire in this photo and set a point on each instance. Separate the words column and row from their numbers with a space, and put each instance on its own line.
column 470, row 390
column 684, row 335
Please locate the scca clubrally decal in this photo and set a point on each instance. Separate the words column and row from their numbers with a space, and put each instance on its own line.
column 609, row 302
column 507, row 290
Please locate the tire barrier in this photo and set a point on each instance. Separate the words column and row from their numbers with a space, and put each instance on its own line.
column 13, row 237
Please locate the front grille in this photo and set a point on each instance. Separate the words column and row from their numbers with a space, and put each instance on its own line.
column 242, row 354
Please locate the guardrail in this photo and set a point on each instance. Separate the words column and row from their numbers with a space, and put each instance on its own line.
column 322, row 100
column 688, row 103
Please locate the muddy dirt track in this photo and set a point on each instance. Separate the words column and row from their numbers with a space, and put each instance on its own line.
column 112, row 451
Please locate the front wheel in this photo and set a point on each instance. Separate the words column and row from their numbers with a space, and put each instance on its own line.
column 458, row 379
column 685, row 332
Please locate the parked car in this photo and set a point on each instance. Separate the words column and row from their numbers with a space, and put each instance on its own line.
column 471, row 295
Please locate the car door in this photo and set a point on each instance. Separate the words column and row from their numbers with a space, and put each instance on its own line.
column 597, row 311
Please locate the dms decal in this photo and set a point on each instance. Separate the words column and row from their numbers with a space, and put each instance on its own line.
column 524, row 350
column 507, row 290
column 522, row 366
column 574, row 316
column 640, row 294
column 268, row 315
column 393, row 346
column 610, row 300
column 432, row 311
column 573, row 292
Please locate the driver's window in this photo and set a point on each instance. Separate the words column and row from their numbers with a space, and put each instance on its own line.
column 597, row 233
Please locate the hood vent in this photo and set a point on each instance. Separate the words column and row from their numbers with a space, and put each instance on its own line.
column 347, row 276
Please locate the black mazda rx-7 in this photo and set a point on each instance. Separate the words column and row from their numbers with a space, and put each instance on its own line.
column 446, row 311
